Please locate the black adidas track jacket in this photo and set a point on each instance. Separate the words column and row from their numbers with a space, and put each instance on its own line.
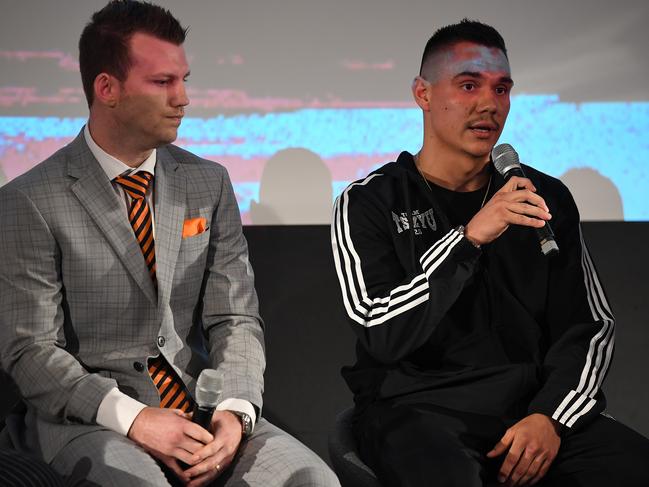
column 501, row 330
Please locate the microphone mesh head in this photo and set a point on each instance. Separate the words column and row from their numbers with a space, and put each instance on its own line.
column 505, row 158
column 208, row 388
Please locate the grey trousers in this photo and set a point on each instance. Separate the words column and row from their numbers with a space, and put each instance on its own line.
column 269, row 458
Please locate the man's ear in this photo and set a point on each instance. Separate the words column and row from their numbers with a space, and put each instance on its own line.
column 107, row 89
column 421, row 93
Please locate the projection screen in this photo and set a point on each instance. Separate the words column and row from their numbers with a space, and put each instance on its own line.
column 297, row 98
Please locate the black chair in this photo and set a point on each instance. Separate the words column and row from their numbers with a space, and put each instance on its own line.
column 16, row 468
column 351, row 470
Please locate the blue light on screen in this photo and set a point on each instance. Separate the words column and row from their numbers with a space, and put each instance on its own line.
column 551, row 135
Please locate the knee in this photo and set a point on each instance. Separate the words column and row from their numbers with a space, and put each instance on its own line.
column 273, row 458
column 304, row 469
column 319, row 475
column 107, row 458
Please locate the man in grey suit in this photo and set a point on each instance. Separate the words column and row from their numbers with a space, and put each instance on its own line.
column 124, row 273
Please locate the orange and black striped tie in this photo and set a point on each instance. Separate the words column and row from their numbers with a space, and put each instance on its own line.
column 172, row 391
column 139, row 214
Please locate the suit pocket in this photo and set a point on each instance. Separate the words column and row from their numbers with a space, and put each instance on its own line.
column 194, row 226
column 192, row 257
column 195, row 243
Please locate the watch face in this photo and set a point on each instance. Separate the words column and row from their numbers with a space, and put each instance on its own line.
column 246, row 423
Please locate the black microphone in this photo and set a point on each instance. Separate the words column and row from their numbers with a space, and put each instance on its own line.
column 506, row 161
column 208, row 390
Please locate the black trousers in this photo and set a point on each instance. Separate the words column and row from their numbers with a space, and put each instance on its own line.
column 425, row 445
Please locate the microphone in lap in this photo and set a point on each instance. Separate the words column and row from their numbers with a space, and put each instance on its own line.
column 506, row 161
column 208, row 390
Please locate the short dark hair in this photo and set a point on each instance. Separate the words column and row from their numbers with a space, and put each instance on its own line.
column 464, row 31
column 104, row 42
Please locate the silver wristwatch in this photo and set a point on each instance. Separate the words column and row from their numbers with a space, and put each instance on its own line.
column 246, row 423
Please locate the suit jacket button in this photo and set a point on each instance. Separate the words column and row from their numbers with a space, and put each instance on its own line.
column 161, row 341
column 139, row 366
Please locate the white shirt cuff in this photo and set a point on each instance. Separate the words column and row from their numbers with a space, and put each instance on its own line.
column 239, row 405
column 117, row 411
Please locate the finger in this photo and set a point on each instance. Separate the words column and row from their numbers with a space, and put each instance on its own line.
column 543, row 470
column 173, row 465
column 204, row 479
column 510, row 462
column 503, row 444
column 526, row 209
column 217, row 447
column 531, row 198
column 532, row 470
column 526, row 196
column 498, row 449
column 191, row 445
column 198, row 433
column 514, row 183
column 216, row 463
column 527, row 221
column 183, row 455
column 207, row 463
column 521, row 468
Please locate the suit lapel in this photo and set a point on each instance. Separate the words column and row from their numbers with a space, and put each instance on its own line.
column 170, row 203
column 97, row 196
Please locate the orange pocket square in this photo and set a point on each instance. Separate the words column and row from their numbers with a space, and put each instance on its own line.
column 194, row 226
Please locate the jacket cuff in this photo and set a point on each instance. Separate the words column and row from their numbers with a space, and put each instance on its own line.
column 118, row 411
column 239, row 405
column 86, row 397
column 566, row 406
column 454, row 241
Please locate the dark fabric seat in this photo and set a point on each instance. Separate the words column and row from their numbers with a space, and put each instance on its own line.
column 20, row 470
column 350, row 469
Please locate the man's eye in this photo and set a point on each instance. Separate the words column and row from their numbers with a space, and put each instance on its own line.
column 468, row 86
column 161, row 82
column 502, row 90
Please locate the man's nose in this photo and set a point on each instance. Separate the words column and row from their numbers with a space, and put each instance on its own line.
column 179, row 96
column 487, row 101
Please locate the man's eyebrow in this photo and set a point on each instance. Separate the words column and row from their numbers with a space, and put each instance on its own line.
column 170, row 75
column 478, row 74
column 472, row 74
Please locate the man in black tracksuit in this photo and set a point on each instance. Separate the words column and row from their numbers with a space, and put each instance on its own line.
column 478, row 358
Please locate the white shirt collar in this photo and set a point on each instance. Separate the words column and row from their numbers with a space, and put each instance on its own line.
column 112, row 166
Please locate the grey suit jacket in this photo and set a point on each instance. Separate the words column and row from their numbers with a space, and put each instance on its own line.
column 78, row 310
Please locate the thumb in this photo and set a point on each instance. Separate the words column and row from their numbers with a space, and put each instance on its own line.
column 502, row 446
